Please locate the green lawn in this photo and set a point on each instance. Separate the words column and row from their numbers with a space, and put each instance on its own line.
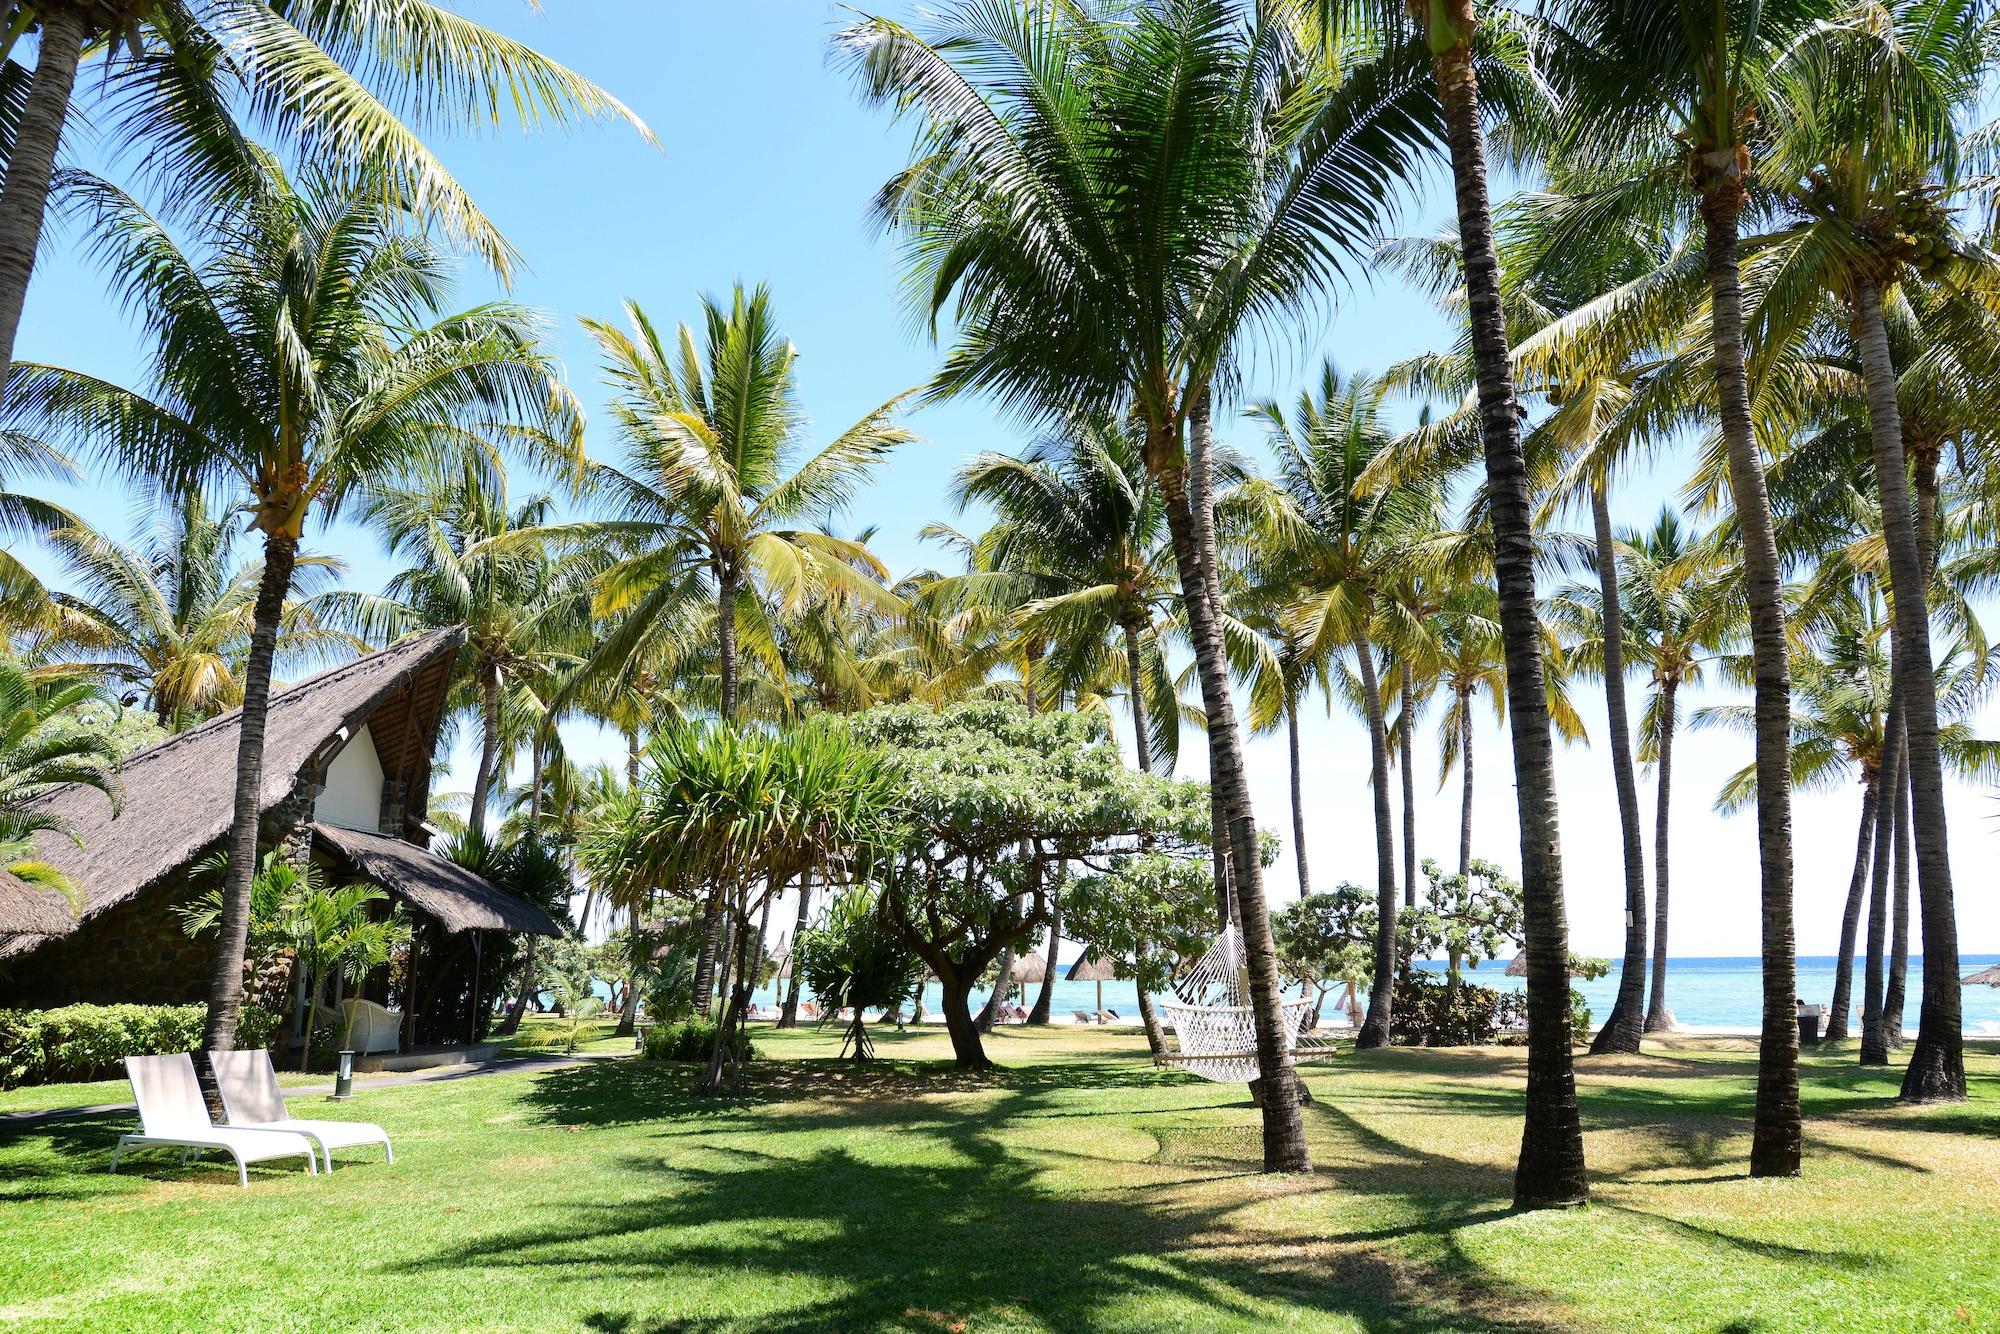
column 1077, row 1189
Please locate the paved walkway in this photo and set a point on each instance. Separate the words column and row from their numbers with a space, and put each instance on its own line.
column 502, row 1065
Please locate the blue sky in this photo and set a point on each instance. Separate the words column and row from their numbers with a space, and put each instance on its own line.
column 765, row 171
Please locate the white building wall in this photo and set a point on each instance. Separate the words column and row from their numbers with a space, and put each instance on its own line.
column 353, row 795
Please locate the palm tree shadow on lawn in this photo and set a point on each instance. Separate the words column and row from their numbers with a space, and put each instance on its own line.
column 811, row 1235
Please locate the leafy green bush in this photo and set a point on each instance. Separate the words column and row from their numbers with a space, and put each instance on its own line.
column 1428, row 1013
column 691, row 1040
column 84, row 1042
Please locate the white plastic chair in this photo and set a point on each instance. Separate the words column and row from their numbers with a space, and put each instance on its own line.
column 172, row 1114
column 250, row 1095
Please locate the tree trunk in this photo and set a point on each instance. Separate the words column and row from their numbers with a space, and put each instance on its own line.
column 1408, row 703
column 1465, row 788
column 704, row 959
column 536, row 770
column 1777, row 1130
column 991, row 1010
column 1045, row 999
column 1850, row 917
column 512, row 1024
column 1375, row 1029
column 1298, row 795
column 1874, row 1043
column 966, row 1051
column 628, row 1013
column 1135, row 677
column 1627, row 1018
column 1149, row 1018
column 1937, row 1065
column 489, row 750
column 788, row 1015
column 1899, row 930
column 1660, row 1019
column 725, row 637
column 232, row 934
column 1194, row 556
column 1550, row 1171
column 24, row 199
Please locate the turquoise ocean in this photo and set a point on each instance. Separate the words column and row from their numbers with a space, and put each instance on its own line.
column 1704, row 994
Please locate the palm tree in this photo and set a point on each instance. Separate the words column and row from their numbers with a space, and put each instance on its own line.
column 711, row 487
column 39, row 750
column 1106, row 200
column 322, row 78
column 1550, row 1170
column 1470, row 663
column 1340, row 546
column 1077, row 556
column 170, row 617
column 1868, row 120
column 1658, row 99
column 526, row 610
column 1679, row 607
column 290, row 360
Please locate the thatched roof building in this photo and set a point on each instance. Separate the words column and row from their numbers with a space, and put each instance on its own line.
column 1985, row 977
column 347, row 758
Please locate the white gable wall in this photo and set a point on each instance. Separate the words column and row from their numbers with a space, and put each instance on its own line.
column 353, row 795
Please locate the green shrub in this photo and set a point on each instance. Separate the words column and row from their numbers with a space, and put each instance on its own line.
column 691, row 1040
column 1428, row 1013
column 84, row 1042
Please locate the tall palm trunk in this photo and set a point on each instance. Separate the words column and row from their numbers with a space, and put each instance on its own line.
column 1298, row 794
column 788, row 1016
column 704, row 959
column 1408, row 704
column 1375, row 1029
column 1874, row 1042
column 725, row 637
column 1149, row 1019
column 1777, row 1130
column 628, row 1013
column 1465, row 787
column 1850, row 917
column 1660, row 1019
column 1551, row 1169
column 1135, row 682
column 512, row 1024
column 1899, row 928
column 1937, row 1065
column 1626, row 1021
column 1045, row 999
column 998, row 996
column 24, row 199
column 232, row 934
column 1195, row 558
column 489, row 750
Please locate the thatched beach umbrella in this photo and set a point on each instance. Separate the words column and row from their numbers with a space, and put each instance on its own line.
column 1027, row 970
column 1093, row 967
column 1989, row 977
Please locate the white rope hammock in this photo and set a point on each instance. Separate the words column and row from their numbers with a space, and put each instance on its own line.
column 1214, row 1025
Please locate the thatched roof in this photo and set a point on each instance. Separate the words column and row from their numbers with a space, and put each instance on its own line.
column 35, row 910
column 1519, row 966
column 1028, row 969
column 179, row 795
column 1987, row 977
column 1093, row 967
column 459, row 899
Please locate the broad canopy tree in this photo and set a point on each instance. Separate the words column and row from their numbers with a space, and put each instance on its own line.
column 993, row 800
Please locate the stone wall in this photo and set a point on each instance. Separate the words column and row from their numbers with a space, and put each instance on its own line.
column 135, row 953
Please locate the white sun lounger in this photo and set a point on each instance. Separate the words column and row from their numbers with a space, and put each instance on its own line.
column 250, row 1095
column 173, row 1115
